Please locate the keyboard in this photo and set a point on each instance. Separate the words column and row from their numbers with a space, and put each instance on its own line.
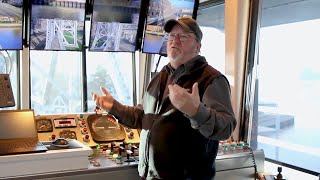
column 19, row 145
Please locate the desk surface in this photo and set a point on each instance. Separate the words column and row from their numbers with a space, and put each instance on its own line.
column 107, row 167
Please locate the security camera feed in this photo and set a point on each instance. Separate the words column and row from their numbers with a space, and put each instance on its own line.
column 57, row 25
column 159, row 12
column 11, row 24
column 114, row 25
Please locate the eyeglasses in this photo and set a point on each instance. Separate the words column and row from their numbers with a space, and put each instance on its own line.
column 181, row 36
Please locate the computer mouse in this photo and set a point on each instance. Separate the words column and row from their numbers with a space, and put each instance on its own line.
column 60, row 142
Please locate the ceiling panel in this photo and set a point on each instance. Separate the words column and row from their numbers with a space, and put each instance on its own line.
column 274, row 12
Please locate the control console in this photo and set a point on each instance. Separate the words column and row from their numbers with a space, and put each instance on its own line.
column 90, row 129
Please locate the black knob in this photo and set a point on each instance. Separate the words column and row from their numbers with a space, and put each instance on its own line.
column 121, row 149
column 279, row 175
column 112, row 146
column 124, row 144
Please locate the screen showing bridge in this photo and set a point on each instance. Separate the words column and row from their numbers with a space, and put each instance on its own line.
column 11, row 15
column 57, row 25
column 114, row 25
column 159, row 12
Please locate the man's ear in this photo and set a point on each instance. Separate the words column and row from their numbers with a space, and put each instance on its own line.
column 198, row 48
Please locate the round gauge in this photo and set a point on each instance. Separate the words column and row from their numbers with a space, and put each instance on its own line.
column 44, row 125
column 105, row 128
column 67, row 134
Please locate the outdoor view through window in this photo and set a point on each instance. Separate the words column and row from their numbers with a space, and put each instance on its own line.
column 289, row 84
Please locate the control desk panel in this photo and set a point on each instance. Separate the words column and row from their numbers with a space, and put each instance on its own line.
column 90, row 129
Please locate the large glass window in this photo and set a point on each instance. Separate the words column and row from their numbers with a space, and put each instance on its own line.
column 112, row 71
column 289, row 83
column 56, row 82
column 211, row 21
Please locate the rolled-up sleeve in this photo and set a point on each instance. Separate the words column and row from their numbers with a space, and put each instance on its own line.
column 215, row 118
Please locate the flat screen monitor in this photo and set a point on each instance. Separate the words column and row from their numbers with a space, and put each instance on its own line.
column 159, row 12
column 11, row 29
column 57, row 25
column 114, row 25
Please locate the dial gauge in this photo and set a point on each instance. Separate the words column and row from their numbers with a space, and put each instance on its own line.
column 44, row 125
column 105, row 128
column 67, row 134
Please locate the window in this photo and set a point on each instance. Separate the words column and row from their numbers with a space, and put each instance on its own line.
column 289, row 83
column 112, row 71
column 56, row 82
column 211, row 21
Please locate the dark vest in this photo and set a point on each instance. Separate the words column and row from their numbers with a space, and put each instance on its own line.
column 176, row 145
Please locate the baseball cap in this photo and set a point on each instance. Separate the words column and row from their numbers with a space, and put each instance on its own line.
column 188, row 24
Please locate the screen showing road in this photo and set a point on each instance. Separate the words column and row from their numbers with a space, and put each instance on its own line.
column 11, row 24
column 159, row 12
column 57, row 25
column 114, row 25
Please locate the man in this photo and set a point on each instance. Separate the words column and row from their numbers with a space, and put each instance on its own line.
column 186, row 110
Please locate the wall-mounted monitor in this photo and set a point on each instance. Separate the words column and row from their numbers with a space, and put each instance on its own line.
column 11, row 29
column 115, row 25
column 159, row 12
column 57, row 25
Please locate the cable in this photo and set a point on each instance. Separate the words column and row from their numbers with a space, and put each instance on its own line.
column 254, row 163
column 157, row 63
column 5, row 62
column 7, row 58
column 10, row 62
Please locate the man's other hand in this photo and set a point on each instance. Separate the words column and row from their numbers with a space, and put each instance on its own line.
column 104, row 101
column 186, row 102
